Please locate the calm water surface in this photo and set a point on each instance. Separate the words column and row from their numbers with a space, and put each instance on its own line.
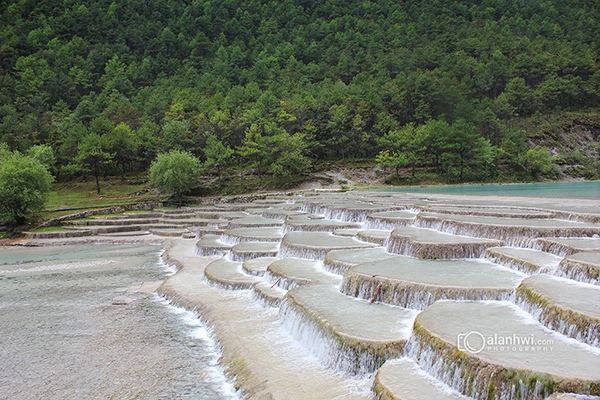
column 573, row 190
column 62, row 336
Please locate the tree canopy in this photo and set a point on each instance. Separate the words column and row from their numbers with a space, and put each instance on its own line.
column 24, row 187
column 175, row 172
column 150, row 76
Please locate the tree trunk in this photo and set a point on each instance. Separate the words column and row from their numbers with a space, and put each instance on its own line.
column 97, row 175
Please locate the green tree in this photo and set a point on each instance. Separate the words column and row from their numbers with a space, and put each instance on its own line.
column 404, row 147
column 123, row 144
column 93, row 155
column 45, row 155
column 217, row 154
column 251, row 151
column 175, row 172
column 539, row 162
column 468, row 155
column 394, row 159
column 287, row 154
column 24, row 187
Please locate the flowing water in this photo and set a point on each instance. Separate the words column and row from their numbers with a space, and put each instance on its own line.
column 84, row 322
column 77, row 322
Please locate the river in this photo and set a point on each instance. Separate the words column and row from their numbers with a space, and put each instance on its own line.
column 79, row 322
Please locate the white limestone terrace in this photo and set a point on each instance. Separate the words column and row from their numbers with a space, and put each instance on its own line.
column 414, row 283
column 511, row 212
column 210, row 245
column 430, row 243
column 346, row 334
column 258, row 266
column 222, row 214
column 529, row 261
column 229, row 275
column 288, row 273
column 257, row 234
column 248, row 250
column 565, row 246
column 252, row 222
column 563, row 305
column 403, row 379
column 347, row 232
column 513, row 231
column 478, row 348
column 339, row 261
column 243, row 207
column 265, row 362
column 305, row 223
column 281, row 213
column 585, row 210
column 344, row 209
column 376, row 236
column 314, row 245
column 582, row 267
column 270, row 312
column 390, row 219
column 269, row 295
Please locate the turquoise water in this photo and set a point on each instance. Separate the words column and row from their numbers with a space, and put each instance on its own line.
column 573, row 190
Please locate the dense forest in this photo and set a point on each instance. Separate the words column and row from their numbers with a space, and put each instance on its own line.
column 272, row 86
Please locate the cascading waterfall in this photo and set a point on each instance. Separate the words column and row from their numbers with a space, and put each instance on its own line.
column 562, row 319
column 232, row 239
column 413, row 296
column 582, row 331
column 268, row 295
column 552, row 247
column 405, row 245
column 288, row 250
column 341, row 213
column 293, row 226
column 384, row 224
column 335, row 266
column 282, row 281
column 250, row 255
column 576, row 275
column 331, row 350
column 513, row 235
column 511, row 262
column 469, row 375
column 579, row 273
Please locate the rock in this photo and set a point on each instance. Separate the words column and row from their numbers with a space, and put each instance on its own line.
column 122, row 301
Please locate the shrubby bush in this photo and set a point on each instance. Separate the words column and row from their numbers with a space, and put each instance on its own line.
column 175, row 172
column 24, row 187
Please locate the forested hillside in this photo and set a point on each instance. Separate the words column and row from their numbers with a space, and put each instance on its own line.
column 462, row 88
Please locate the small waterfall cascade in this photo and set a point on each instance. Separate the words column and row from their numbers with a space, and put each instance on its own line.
column 528, row 261
column 400, row 281
column 432, row 244
column 413, row 294
column 564, row 306
column 333, row 327
column 567, row 246
column 501, row 354
column 581, row 267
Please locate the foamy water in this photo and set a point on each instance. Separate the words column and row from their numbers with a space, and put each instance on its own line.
column 198, row 330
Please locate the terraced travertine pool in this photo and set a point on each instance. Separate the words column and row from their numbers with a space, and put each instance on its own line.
column 358, row 295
